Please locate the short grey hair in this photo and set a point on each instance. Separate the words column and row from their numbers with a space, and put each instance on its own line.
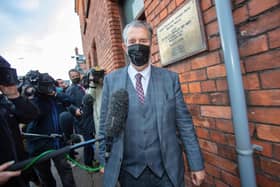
column 137, row 23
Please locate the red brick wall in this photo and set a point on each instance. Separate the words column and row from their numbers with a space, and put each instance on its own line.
column 103, row 29
column 203, row 80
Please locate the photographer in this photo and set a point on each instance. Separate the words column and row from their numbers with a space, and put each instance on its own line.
column 88, row 121
column 47, row 100
column 86, row 128
column 94, row 84
column 14, row 109
column 69, row 119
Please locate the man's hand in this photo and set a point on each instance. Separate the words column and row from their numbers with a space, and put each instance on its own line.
column 6, row 175
column 78, row 112
column 52, row 93
column 197, row 177
column 10, row 91
column 102, row 170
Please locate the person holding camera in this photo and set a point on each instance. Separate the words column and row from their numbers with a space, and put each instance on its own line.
column 94, row 87
column 47, row 123
column 76, row 92
column 14, row 109
column 70, row 119
column 89, row 121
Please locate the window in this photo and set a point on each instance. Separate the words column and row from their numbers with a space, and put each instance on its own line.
column 132, row 9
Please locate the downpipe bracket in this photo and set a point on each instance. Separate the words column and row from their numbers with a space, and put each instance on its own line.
column 257, row 147
column 247, row 152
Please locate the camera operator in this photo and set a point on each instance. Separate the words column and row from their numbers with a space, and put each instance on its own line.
column 47, row 100
column 69, row 119
column 94, row 84
column 88, row 124
column 14, row 109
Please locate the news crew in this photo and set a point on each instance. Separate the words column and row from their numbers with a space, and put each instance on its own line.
column 95, row 77
column 14, row 109
column 89, row 123
column 69, row 120
column 47, row 100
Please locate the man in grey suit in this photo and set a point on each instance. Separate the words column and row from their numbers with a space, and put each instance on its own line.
column 148, row 153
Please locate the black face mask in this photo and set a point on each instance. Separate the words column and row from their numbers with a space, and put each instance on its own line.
column 75, row 80
column 139, row 54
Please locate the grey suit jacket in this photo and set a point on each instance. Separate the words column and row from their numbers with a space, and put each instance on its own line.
column 174, row 122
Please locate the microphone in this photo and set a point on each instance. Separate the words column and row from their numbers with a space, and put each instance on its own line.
column 53, row 135
column 25, row 164
column 88, row 100
column 74, row 138
column 116, row 118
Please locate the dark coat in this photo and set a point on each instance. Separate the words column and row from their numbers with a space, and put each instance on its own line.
column 46, row 123
column 13, row 112
column 76, row 92
column 86, row 122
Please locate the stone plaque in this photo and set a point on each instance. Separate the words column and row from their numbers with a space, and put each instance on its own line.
column 182, row 34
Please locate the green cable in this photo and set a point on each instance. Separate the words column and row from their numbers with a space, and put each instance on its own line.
column 33, row 161
column 84, row 167
column 37, row 158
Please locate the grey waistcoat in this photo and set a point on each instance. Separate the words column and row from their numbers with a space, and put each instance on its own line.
column 141, row 145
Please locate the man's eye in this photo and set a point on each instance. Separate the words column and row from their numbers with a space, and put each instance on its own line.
column 144, row 41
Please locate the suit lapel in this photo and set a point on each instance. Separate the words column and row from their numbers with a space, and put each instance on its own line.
column 123, row 77
column 158, row 96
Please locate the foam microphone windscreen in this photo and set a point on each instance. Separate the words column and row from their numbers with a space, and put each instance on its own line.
column 76, row 138
column 88, row 99
column 117, row 113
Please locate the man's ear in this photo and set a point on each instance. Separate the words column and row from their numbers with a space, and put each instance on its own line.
column 124, row 47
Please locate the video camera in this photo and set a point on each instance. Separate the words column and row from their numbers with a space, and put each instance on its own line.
column 36, row 82
column 94, row 75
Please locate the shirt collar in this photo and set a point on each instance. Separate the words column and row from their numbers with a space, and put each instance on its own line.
column 145, row 73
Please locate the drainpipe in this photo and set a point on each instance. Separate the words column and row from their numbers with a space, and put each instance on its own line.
column 244, row 147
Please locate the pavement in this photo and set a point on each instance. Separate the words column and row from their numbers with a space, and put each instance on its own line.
column 82, row 177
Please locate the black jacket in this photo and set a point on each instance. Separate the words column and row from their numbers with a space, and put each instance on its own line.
column 86, row 122
column 46, row 123
column 76, row 92
column 13, row 112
